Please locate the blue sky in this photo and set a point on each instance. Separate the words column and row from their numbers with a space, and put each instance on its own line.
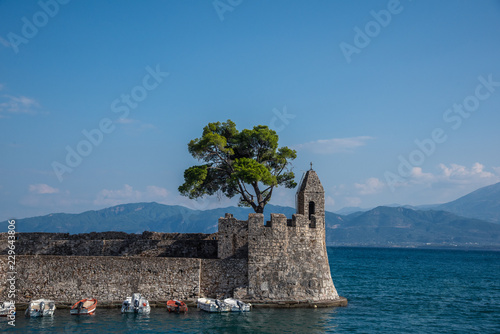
column 393, row 101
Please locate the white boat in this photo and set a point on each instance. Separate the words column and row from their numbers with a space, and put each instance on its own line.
column 7, row 308
column 213, row 305
column 136, row 304
column 41, row 308
column 237, row 305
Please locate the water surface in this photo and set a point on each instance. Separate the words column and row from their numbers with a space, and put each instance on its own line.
column 389, row 291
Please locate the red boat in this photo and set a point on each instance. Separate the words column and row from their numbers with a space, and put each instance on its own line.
column 177, row 306
column 84, row 306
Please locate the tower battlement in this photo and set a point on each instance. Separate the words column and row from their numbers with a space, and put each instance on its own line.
column 287, row 258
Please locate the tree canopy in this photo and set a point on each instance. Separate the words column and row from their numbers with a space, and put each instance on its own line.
column 247, row 163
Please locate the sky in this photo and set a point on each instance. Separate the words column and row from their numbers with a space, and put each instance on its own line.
column 392, row 101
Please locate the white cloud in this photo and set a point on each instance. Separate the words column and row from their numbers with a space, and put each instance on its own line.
column 42, row 188
column 418, row 176
column 454, row 174
column 18, row 104
column 352, row 201
column 4, row 42
column 156, row 191
column 462, row 174
column 134, row 126
column 125, row 121
column 127, row 194
column 334, row 145
column 371, row 186
column 329, row 201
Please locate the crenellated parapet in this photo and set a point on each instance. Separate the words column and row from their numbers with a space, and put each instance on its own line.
column 233, row 237
column 287, row 258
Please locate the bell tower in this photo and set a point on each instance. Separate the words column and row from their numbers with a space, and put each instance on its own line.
column 311, row 196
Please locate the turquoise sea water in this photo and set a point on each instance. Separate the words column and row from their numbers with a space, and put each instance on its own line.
column 389, row 291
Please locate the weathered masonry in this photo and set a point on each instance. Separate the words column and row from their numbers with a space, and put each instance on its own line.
column 281, row 261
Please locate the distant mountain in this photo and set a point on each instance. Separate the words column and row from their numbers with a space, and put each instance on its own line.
column 483, row 203
column 350, row 209
column 402, row 226
column 382, row 226
column 138, row 217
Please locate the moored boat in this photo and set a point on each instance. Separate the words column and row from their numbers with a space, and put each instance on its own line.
column 237, row 305
column 177, row 306
column 213, row 305
column 136, row 304
column 7, row 308
column 85, row 306
column 41, row 308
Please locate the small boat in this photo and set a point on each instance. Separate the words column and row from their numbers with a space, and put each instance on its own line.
column 177, row 306
column 41, row 308
column 136, row 304
column 237, row 305
column 213, row 305
column 7, row 308
column 85, row 306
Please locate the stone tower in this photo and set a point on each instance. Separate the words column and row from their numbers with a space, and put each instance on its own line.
column 310, row 197
column 287, row 258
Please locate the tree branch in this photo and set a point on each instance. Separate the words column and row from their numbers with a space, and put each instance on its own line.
column 242, row 193
column 268, row 197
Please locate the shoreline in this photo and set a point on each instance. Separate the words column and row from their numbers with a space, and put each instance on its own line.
column 340, row 302
column 492, row 248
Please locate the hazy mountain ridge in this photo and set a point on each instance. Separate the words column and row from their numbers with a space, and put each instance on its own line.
column 138, row 217
column 484, row 204
column 382, row 225
column 385, row 226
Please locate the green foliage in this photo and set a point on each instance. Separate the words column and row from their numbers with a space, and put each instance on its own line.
column 238, row 163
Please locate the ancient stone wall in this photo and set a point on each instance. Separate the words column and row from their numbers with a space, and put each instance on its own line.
column 233, row 238
column 110, row 279
column 152, row 244
column 221, row 278
column 107, row 278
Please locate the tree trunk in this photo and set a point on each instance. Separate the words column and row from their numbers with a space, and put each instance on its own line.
column 259, row 209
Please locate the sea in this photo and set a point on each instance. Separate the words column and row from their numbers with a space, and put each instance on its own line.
column 389, row 291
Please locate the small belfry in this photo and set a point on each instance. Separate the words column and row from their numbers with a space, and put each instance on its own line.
column 311, row 197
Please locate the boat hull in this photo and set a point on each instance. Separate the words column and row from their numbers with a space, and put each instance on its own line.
column 7, row 308
column 136, row 304
column 84, row 307
column 237, row 305
column 176, row 306
column 41, row 308
column 213, row 305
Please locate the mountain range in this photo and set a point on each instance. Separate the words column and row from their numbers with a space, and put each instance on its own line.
column 472, row 220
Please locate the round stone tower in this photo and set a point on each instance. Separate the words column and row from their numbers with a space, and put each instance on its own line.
column 287, row 258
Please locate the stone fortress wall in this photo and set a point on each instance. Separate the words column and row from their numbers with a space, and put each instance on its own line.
column 281, row 261
column 151, row 244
